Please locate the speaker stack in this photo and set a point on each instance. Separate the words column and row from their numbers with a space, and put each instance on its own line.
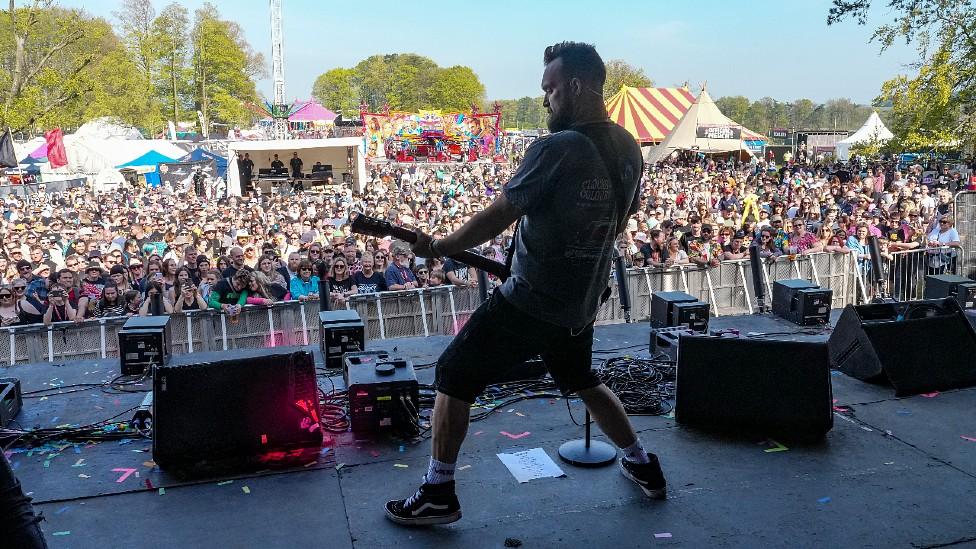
column 916, row 346
column 754, row 386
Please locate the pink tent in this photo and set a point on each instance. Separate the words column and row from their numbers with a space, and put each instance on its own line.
column 311, row 111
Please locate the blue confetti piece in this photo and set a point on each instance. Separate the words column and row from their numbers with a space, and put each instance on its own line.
column 904, row 412
column 77, row 449
column 401, row 448
column 63, row 509
column 324, row 451
column 824, row 500
column 835, row 372
column 54, row 420
column 124, row 441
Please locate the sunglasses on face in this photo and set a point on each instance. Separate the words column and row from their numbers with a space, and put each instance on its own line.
column 6, row 296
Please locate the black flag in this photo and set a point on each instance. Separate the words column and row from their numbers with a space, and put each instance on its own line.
column 8, row 158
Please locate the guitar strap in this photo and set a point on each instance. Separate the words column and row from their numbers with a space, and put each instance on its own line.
column 587, row 131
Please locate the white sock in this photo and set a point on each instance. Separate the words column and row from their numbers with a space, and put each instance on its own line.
column 439, row 472
column 635, row 453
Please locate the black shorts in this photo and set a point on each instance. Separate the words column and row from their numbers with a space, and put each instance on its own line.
column 498, row 337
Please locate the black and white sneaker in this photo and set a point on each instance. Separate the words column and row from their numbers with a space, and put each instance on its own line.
column 648, row 476
column 432, row 504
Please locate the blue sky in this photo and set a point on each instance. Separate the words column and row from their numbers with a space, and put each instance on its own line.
column 756, row 48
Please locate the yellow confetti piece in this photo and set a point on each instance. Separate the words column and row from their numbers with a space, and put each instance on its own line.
column 245, row 489
column 463, row 467
column 401, row 465
column 83, row 476
column 340, row 466
column 309, row 464
column 779, row 447
column 224, row 482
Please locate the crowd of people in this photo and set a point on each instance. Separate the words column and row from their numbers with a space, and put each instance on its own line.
column 75, row 255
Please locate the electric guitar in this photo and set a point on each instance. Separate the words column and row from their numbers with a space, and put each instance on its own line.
column 371, row 226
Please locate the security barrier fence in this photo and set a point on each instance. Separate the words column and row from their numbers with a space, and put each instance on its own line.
column 444, row 310
column 965, row 209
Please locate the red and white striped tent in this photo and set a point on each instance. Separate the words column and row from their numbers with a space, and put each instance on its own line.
column 649, row 114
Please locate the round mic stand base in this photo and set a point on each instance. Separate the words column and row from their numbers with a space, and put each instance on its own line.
column 587, row 452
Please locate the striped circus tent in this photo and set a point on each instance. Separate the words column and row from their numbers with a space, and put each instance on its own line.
column 649, row 114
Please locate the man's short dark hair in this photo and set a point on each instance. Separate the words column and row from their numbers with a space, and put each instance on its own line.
column 579, row 61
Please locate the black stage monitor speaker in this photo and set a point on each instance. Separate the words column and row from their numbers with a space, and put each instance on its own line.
column 754, row 386
column 144, row 341
column 801, row 302
column 10, row 399
column 664, row 315
column 340, row 332
column 959, row 287
column 916, row 346
column 234, row 405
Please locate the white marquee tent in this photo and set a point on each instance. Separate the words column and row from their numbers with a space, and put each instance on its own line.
column 705, row 129
column 333, row 152
column 873, row 130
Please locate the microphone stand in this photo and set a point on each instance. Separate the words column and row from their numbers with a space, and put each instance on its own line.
column 586, row 452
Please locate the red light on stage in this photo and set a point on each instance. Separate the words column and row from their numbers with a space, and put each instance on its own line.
column 264, row 439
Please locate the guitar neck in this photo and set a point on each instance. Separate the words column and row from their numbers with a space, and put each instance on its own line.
column 371, row 226
column 481, row 262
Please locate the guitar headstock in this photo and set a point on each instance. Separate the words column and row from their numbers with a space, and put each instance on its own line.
column 371, row 226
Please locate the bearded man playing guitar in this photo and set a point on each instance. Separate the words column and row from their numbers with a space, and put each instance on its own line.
column 571, row 196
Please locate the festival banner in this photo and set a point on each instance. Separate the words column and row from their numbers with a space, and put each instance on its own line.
column 8, row 158
column 718, row 132
column 431, row 133
column 176, row 174
column 56, row 154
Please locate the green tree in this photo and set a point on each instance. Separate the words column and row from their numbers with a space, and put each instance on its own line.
column 620, row 73
column 224, row 69
column 943, row 92
column 136, row 21
column 171, row 35
column 457, row 88
column 924, row 114
column 800, row 112
column 59, row 67
column 337, row 89
column 735, row 107
column 404, row 81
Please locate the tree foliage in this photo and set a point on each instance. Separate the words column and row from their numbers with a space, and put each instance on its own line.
column 524, row 113
column 224, row 69
column 62, row 67
column 766, row 113
column 937, row 105
column 407, row 82
column 620, row 73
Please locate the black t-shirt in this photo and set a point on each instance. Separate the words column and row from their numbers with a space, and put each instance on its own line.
column 296, row 165
column 459, row 269
column 369, row 284
column 341, row 285
column 277, row 165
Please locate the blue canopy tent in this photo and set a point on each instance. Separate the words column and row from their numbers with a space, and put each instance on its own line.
column 200, row 153
column 151, row 160
column 32, row 165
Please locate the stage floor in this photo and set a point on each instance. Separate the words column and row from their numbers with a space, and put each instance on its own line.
column 892, row 473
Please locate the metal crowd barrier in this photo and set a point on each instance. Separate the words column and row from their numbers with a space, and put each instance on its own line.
column 965, row 209
column 445, row 309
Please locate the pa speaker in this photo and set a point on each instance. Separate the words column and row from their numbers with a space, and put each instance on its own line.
column 916, row 346
column 775, row 388
column 234, row 405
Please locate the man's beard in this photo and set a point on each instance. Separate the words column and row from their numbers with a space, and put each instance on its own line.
column 562, row 121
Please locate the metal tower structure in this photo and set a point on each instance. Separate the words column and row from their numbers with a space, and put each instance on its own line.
column 280, row 127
